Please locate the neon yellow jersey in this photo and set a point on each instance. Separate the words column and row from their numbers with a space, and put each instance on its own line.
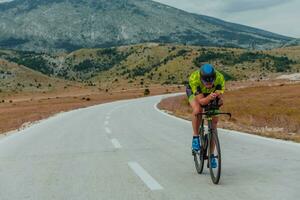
column 197, row 85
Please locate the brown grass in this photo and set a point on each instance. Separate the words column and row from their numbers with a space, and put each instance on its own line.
column 263, row 110
column 33, row 107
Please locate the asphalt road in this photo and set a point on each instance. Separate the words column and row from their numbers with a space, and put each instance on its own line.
column 130, row 150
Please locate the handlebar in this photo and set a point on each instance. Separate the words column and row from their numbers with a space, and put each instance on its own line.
column 214, row 113
column 212, row 109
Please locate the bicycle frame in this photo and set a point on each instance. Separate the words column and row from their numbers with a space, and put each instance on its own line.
column 209, row 138
column 208, row 115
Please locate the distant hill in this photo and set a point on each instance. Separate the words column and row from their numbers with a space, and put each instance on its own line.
column 67, row 25
column 295, row 42
column 17, row 78
column 144, row 64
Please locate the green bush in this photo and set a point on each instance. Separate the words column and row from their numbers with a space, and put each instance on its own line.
column 146, row 92
column 227, row 76
column 280, row 63
column 32, row 61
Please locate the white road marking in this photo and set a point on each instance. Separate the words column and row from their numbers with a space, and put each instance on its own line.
column 116, row 143
column 106, row 122
column 107, row 130
column 107, row 117
column 145, row 176
column 164, row 113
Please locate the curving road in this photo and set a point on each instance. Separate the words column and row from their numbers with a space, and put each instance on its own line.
column 130, row 150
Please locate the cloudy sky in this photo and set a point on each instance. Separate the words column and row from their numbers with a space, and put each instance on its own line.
column 279, row 16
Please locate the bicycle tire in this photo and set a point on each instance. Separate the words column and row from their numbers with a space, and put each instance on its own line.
column 198, row 162
column 199, row 156
column 215, row 177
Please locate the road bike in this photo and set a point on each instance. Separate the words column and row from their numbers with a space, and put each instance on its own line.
column 210, row 145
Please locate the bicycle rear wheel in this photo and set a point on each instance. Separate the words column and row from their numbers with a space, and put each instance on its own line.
column 215, row 173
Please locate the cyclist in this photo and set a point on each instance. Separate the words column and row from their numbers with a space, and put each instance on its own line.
column 205, row 85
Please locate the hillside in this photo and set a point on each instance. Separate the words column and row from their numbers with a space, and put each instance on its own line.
column 151, row 63
column 67, row 25
column 18, row 79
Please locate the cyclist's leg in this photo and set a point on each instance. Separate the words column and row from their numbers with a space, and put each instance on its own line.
column 195, row 120
column 214, row 128
column 196, row 108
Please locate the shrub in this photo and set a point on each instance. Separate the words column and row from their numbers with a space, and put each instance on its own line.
column 33, row 61
column 146, row 92
column 227, row 77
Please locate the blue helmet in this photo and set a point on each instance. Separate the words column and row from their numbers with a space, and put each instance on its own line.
column 207, row 73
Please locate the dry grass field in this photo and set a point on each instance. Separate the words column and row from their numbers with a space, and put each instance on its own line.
column 272, row 111
column 20, row 110
column 36, row 86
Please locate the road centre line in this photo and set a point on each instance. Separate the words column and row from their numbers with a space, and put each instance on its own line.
column 151, row 183
column 107, row 130
column 116, row 143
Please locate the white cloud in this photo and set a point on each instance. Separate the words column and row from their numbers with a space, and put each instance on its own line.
column 273, row 15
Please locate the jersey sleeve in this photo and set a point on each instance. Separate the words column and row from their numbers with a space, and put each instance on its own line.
column 221, row 83
column 193, row 81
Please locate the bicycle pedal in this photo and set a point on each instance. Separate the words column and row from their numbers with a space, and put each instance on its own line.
column 194, row 152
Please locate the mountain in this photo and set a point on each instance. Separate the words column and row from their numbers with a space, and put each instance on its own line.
column 66, row 25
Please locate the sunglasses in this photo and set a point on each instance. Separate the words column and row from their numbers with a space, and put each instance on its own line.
column 208, row 81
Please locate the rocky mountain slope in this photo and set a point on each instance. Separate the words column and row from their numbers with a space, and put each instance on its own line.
column 67, row 25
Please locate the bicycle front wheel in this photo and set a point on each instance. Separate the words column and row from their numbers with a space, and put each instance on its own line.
column 214, row 157
column 199, row 162
column 199, row 156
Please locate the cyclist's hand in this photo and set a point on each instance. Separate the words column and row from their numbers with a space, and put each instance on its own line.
column 212, row 96
column 220, row 102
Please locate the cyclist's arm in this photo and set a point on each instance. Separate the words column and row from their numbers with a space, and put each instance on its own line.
column 205, row 100
column 193, row 82
column 220, row 88
column 199, row 96
column 220, row 85
column 218, row 93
